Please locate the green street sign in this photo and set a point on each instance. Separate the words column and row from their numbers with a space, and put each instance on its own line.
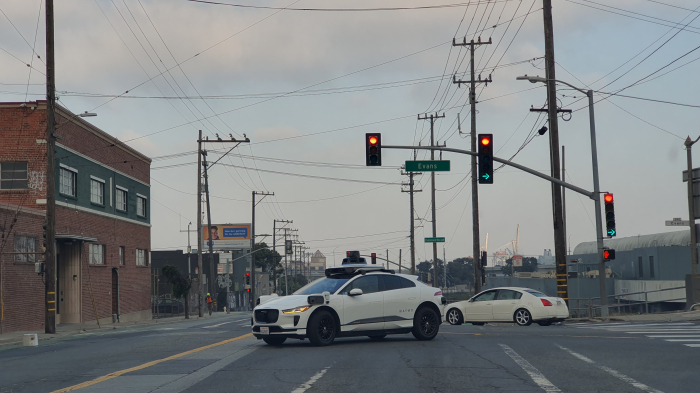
column 428, row 166
column 434, row 239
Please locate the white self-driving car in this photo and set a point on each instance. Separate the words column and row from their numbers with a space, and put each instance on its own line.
column 352, row 300
column 509, row 304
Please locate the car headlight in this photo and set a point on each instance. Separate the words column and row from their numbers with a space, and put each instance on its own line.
column 296, row 310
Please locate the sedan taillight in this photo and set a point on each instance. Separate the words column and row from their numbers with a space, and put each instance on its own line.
column 546, row 302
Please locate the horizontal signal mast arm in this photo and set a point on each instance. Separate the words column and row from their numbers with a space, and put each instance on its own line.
column 572, row 187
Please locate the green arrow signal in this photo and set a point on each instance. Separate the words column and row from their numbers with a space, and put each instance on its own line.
column 485, row 176
column 611, row 232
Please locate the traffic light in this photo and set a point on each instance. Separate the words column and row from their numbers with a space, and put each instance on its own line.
column 247, row 278
column 608, row 254
column 610, row 215
column 484, row 258
column 374, row 149
column 374, row 258
column 485, row 158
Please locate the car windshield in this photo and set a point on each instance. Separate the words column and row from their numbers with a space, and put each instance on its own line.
column 330, row 284
column 535, row 293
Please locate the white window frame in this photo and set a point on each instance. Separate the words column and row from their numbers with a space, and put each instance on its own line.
column 97, row 184
column 73, row 176
column 25, row 244
column 141, row 257
column 122, row 198
column 141, row 204
column 25, row 181
column 97, row 254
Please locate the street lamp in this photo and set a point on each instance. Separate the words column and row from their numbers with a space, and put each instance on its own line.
column 596, row 188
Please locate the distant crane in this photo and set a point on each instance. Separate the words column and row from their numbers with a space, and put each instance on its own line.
column 501, row 254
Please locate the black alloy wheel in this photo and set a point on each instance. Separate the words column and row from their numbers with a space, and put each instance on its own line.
column 425, row 324
column 321, row 328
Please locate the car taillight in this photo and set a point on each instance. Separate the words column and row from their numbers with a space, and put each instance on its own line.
column 546, row 302
column 438, row 293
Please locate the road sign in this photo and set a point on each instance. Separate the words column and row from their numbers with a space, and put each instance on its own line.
column 696, row 175
column 428, row 166
column 434, row 239
column 677, row 222
column 517, row 260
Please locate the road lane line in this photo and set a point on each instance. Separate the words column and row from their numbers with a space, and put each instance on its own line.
column 692, row 345
column 219, row 324
column 146, row 365
column 534, row 373
column 675, row 336
column 684, row 340
column 305, row 386
column 612, row 372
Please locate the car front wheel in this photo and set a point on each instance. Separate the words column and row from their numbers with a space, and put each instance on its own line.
column 454, row 317
column 272, row 340
column 425, row 324
column 523, row 317
column 321, row 328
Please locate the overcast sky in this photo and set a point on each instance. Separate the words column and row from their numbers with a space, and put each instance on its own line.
column 305, row 86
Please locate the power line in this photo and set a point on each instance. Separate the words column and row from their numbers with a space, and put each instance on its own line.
column 351, row 9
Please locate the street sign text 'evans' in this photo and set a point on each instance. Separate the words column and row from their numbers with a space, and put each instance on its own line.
column 428, row 166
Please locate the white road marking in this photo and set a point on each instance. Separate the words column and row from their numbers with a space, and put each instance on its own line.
column 670, row 331
column 305, row 386
column 534, row 373
column 692, row 345
column 685, row 340
column 219, row 324
column 675, row 336
column 614, row 373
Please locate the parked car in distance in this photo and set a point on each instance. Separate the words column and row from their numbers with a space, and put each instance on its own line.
column 508, row 304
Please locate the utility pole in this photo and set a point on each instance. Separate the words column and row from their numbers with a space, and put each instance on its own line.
column 50, row 256
column 274, row 245
column 558, row 211
column 563, row 196
column 399, row 261
column 691, row 210
column 286, row 268
column 444, row 268
column 211, row 242
column 432, row 186
column 200, row 237
column 387, row 258
column 476, row 240
column 252, row 247
column 411, row 191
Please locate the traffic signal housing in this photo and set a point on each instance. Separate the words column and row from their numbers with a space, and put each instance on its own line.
column 484, row 259
column 608, row 254
column 374, row 258
column 373, row 149
column 609, row 202
column 247, row 279
column 485, row 158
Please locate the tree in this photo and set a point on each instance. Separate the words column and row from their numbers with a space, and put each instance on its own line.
column 295, row 283
column 424, row 267
column 460, row 271
column 181, row 285
column 529, row 265
column 267, row 259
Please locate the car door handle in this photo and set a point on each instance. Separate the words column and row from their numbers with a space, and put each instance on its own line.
column 411, row 298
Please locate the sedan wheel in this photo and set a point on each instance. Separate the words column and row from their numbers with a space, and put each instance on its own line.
column 321, row 328
column 523, row 317
column 454, row 317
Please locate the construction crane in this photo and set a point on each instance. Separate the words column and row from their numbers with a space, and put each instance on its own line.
column 501, row 254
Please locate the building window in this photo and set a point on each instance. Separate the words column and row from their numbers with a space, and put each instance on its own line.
column 141, row 257
column 67, row 182
column 140, row 205
column 25, row 244
column 641, row 268
column 651, row 266
column 122, row 194
column 97, row 254
column 121, row 255
column 97, row 191
column 13, row 176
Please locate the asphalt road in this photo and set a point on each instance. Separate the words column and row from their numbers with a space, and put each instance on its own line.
column 218, row 355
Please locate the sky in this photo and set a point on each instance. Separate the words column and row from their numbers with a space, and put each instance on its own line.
column 306, row 85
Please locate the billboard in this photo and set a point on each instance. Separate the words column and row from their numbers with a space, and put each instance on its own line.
column 227, row 236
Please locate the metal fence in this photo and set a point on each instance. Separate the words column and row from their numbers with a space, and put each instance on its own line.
column 621, row 303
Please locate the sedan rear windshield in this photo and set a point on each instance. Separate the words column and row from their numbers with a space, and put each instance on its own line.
column 535, row 293
column 330, row 284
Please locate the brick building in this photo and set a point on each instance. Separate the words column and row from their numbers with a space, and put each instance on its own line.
column 103, row 233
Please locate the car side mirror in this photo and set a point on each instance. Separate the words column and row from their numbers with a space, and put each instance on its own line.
column 355, row 292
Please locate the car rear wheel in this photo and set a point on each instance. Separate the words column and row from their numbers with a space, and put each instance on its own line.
column 272, row 340
column 321, row 328
column 425, row 324
column 544, row 323
column 378, row 337
column 454, row 317
column 522, row 317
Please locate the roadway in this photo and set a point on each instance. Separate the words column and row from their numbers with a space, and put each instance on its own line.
column 218, row 355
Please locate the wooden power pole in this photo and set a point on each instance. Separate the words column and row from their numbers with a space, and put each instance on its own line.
column 50, row 256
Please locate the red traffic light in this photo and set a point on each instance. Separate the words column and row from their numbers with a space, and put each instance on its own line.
column 374, row 255
column 247, row 274
column 608, row 198
column 606, row 254
column 485, row 141
column 373, row 140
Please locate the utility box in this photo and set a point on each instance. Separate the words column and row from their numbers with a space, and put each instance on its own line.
column 692, row 290
column 31, row 340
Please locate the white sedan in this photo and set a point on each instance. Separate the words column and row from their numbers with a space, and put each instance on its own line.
column 520, row 305
column 352, row 300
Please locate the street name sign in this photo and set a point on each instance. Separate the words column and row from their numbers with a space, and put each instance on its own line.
column 677, row 222
column 435, row 239
column 428, row 166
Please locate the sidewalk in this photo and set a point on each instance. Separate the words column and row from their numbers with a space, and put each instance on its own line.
column 674, row 316
column 67, row 330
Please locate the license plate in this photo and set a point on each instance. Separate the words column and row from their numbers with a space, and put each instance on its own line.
column 264, row 330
